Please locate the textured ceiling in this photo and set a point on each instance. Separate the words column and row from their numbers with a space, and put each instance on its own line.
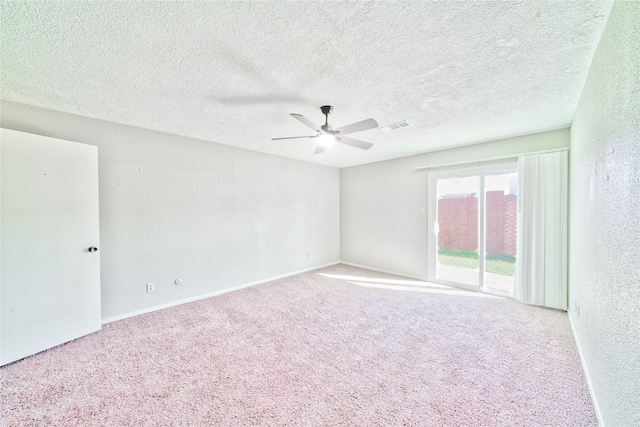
column 231, row 72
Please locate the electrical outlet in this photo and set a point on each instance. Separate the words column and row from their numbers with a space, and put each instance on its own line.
column 577, row 308
column 421, row 211
column 393, row 258
column 151, row 287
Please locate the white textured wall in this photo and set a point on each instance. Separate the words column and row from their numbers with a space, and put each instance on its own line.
column 214, row 215
column 380, row 203
column 604, row 269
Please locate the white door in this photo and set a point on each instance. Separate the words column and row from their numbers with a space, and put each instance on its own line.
column 50, row 278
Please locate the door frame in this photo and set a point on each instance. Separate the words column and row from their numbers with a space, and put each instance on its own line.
column 508, row 166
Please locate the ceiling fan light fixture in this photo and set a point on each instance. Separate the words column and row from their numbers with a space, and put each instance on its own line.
column 326, row 139
column 325, row 135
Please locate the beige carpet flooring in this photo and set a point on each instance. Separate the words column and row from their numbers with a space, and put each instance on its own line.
column 339, row 346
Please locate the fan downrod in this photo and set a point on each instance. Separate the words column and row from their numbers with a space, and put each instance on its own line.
column 326, row 110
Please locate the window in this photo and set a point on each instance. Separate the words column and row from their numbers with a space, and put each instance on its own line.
column 473, row 213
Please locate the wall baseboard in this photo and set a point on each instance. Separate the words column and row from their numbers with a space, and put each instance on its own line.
column 592, row 392
column 210, row 294
column 395, row 273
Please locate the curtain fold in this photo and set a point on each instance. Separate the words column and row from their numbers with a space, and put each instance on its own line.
column 541, row 267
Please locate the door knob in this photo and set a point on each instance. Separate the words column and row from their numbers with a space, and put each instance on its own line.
column 93, row 249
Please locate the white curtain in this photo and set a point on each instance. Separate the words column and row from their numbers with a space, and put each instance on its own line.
column 541, row 268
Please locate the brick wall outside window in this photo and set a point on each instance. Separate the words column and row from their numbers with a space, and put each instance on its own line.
column 458, row 220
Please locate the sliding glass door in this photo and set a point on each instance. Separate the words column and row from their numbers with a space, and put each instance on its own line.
column 458, row 230
column 474, row 218
column 500, row 243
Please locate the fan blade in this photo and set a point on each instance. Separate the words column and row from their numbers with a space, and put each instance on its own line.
column 357, row 127
column 302, row 119
column 319, row 149
column 294, row 137
column 355, row 143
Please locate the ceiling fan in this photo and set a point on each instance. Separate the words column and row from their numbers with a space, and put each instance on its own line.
column 327, row 135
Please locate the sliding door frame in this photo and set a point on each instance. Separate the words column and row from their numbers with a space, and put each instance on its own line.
column 504, row 166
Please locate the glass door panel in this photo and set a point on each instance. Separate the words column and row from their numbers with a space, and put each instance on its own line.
column 458, row 230
column 501, row 212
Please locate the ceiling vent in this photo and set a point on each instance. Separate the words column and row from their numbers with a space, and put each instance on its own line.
column 394, row 126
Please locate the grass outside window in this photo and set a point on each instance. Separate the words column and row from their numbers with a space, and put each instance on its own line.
column 504, row 265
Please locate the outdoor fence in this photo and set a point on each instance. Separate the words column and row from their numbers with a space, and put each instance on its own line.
column 458, row 221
